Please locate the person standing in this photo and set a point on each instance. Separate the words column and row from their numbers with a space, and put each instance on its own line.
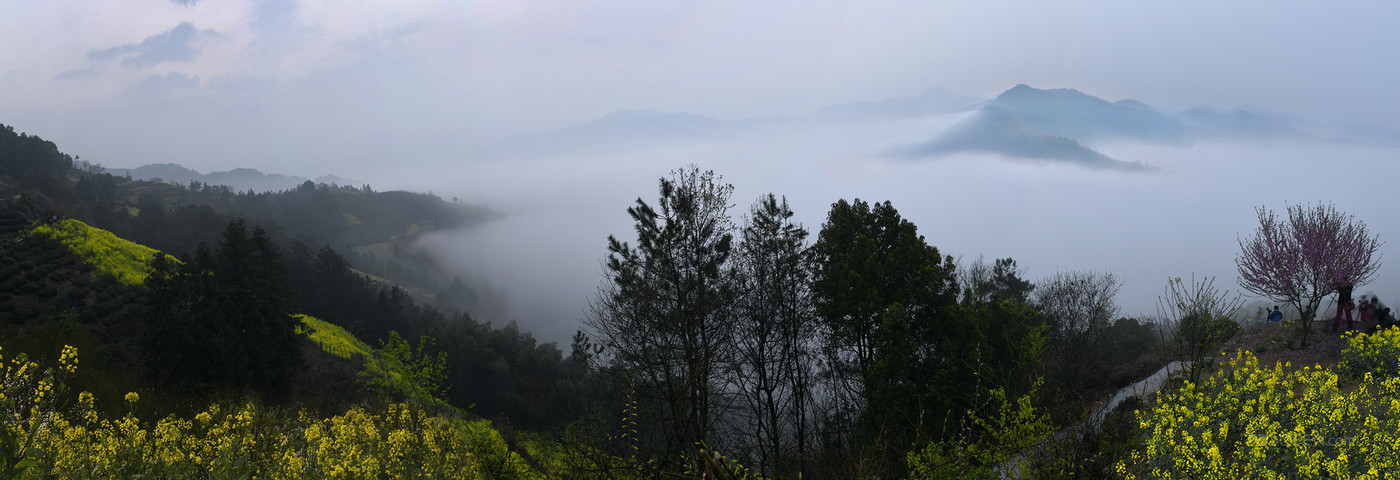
column 1363, row 312
column 1343, row 310
column 1344, row 306
column 1275, row 316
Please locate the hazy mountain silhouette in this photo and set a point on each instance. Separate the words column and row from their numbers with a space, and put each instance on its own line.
column 620, row 131
column 1030, row 123
column 1073, row 114
column 239, row 179
column 1238, row 123
column 936, row 101
column 1022, row 122
column 1347, row 133
column 996, row 130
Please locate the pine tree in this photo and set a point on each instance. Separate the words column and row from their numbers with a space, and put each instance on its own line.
column 664, row 312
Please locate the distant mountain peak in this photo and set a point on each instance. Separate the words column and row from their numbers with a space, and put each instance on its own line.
column 1031, row 123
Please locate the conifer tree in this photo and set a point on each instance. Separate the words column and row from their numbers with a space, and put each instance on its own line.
column 664, row 311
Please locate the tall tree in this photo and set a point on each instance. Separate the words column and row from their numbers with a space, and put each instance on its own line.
column 1304, row 259
column 222, row 319
column 664, row 311
column 774, row 336
column 883, row 296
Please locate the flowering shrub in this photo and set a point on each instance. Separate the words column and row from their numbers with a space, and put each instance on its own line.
column 1378, row 353
column 1251, row 422
column 40, row 438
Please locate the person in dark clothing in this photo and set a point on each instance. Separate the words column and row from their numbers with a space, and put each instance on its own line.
column 1344, row 306
column 1385, row 319
column 1275, row 316
column 1364, row 311
column 1343, row 310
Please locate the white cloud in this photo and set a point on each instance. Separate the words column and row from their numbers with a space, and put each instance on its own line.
column 179, row 44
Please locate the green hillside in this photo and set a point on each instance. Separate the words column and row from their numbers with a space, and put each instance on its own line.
column 129, row 263
column 110, row 255
column 395, row 439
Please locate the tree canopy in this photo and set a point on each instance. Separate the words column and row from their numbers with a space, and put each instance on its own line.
column 1306, row 257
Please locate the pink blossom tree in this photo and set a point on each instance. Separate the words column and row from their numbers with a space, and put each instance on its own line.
column 1305, row 259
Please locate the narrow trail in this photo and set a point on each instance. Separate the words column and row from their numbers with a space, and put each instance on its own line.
column 1010, row 468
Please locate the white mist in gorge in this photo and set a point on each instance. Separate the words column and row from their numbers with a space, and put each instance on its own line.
column 1183, row 217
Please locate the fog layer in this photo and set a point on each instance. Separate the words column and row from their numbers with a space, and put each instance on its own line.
column 544, row 259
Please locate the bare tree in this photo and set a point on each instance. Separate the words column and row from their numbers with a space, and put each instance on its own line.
column 1196, row 319
column 1308, row 257
column 1078, row 306
column 975, row 278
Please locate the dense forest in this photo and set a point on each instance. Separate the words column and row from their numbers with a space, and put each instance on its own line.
column 294, row 334
column 213, row 229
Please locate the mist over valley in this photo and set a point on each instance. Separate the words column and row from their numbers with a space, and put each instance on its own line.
column 733, row 240
column 1179, row 214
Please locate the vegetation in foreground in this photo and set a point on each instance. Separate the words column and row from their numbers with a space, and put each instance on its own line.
column 48, row 432
column 1277, row 422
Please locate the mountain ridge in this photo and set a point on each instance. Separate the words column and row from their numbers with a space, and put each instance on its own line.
column 240, row 179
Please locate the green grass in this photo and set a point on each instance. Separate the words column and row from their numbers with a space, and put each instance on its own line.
column 123, row 260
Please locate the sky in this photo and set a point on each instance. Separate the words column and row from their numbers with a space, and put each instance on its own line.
column 315, row 86
column 409, row 94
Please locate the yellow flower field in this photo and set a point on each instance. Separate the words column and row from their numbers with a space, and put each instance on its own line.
column 1248, row 421
column 43, row 435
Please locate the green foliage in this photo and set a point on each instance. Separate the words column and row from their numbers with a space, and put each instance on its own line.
column 223, row 319
column 1198, row 319
column 885, row 297
column 993, row 443
column 663, row 311
column 400, row 369
column 123, row 260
